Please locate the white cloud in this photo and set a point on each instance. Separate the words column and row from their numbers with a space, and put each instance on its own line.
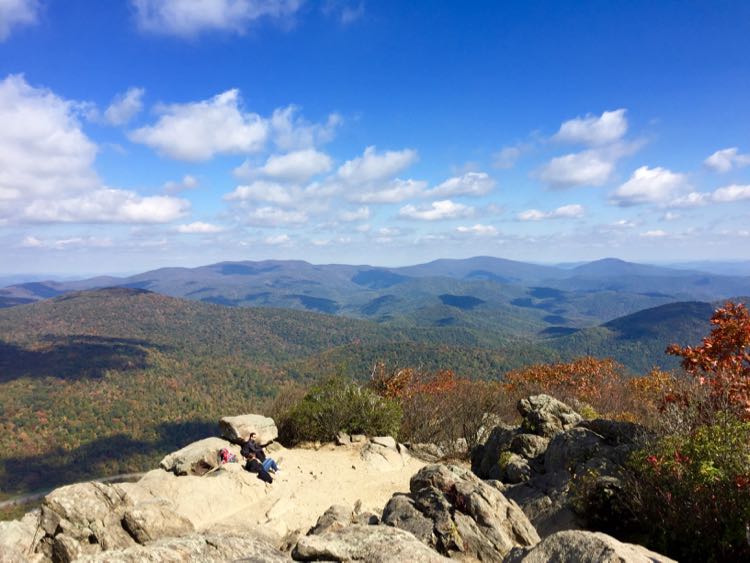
column 262, row 190
column 189, row 17
column 611, row 126
column 372, row 167
column 107, row 205
column 650, row 185
column 658, row 233
column 731, row 193
column 507, row 157
column 125, row 106
column 586, row 168
column 361, row 214
column 394, row 191
column 198, row 227
column 43, row 151
column 692, row 199
column 188, row 182
column 726, row 159
column 478, row 229
column 199, row 130
column 46, row 166
column 572, row 211
column 297, row 166
column 471, row 183
column 292, row 132
column 277, row 239
column 71, row 242
column 15, row 13
column 437, row 211
column 345, row 11
column 273, row 217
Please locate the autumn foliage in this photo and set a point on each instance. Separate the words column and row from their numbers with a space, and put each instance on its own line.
column 722, row 361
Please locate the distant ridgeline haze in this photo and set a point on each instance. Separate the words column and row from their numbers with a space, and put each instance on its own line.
column 103, row 376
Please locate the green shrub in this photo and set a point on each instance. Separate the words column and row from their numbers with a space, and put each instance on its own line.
column 339, row 405
column 691, row 493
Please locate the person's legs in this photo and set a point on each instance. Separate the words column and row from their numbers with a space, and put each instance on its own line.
column 270, row 465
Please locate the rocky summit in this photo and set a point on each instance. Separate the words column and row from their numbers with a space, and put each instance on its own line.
column 360, row 499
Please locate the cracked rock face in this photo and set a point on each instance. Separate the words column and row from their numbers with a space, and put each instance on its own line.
column 375, row 544
column 585, row 547
column 456, row 513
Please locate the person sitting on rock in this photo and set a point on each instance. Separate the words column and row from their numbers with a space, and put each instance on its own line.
column 251, row 446
column 254, row 465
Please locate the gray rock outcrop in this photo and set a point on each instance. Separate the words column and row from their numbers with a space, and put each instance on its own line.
column 197, row 458
column 459, row 515
column 552, row 448
column 383, row 453
column 206, row 548
column 237, row 428
column 584, row 547
column 374, row 544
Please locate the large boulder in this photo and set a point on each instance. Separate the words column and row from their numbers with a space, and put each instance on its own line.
column 374, row 544
column 469, row 518
column 384, row 454
column 207, row 548
column 150, row 521
column 237, row 428
column 17, row 538
column 485, row 458
column 83, row 519
column 584, row 547
column 197, row 458
column 546, row 416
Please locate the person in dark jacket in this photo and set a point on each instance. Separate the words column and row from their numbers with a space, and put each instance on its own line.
column 255, row 466
column 252, row 446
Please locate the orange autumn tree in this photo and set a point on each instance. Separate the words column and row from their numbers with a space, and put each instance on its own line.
column 595, row 382
column 722, row 361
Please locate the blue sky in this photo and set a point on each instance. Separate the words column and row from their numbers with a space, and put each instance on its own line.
column 146, row 133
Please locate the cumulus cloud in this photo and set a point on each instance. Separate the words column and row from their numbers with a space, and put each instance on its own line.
column 125, row 106
column 572, row 211
column 478, row 229
column 731, row 193
column 16, row 13
column 507, row 157
column 269, row 216
column 361, row 214
column 43, row 151
column 277, row 239
column 471, row 184
column 345, row 11
column 437, row 211
column 46, row 166
column 188, row 182
column 657, row 233
column 292, row 132
column 609, row 127
column 394, row 191
column 107, row 205
column 298, row 166
column 199, row 130
column 186, row 18
column 727, row 159
column 650, row 185
column 262, row 190
column 31, row 241
column 199, row 227
column 586, row 168
column 375, row 167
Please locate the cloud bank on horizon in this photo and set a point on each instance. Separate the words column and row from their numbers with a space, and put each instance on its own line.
column 231, row 130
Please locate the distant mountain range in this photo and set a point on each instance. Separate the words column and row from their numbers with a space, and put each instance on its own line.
column 501, row 298
column 111, row 378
